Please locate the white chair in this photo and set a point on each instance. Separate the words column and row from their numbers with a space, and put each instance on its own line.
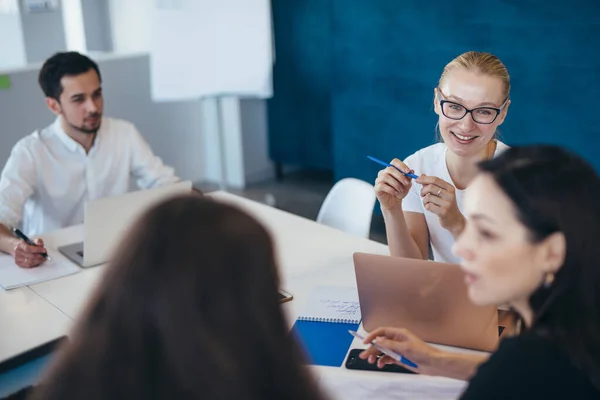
column 349, row 207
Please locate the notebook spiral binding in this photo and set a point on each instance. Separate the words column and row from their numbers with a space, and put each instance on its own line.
column 332, row 320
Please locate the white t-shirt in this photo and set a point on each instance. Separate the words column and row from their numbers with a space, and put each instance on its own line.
column 431, row 161
column 48, row 177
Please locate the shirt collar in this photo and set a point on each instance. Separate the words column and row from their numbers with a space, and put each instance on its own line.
column 69, row 143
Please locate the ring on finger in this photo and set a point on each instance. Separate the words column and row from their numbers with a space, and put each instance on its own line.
column 438, row 193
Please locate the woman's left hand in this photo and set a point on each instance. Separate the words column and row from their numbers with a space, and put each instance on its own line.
column 439, row 197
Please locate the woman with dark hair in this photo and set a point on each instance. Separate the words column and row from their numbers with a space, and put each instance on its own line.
column 531, row 240
column 188, row 309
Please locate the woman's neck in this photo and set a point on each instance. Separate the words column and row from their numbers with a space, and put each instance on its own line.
column 524, row 310
column 463, row 169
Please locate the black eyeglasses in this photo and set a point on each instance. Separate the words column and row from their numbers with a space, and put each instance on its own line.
column 481, row 115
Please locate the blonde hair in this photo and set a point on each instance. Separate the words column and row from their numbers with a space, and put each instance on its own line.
column 481, row 62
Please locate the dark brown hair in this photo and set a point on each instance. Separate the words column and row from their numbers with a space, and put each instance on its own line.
column 188, row 309
column 68, row 63
column 554, row 190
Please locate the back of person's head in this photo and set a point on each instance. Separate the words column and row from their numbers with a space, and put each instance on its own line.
column 189, row 308
column 62, row 64
column 554, row 190
column 480, row 62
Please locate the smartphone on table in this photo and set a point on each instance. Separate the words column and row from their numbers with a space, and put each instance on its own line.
column 353, row 361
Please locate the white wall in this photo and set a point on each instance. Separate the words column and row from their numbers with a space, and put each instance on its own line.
column 243, row 124
column 96, row 21
column 131, row 22
column 12, row 45
column 72, row 15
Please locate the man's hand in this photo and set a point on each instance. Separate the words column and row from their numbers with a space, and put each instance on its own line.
column 27, row 256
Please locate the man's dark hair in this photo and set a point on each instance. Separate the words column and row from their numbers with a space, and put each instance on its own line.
column 67, row 63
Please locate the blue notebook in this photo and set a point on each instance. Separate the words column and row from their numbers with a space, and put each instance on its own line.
column 322, row 326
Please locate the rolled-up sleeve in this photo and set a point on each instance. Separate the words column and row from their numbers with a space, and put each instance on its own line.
column 17, row 184
column 148, row 169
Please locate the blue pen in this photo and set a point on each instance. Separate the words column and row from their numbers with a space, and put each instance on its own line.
column 378, row 161
column 386, row 351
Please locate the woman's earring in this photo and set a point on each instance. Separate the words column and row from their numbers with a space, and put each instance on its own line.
column 549, row 279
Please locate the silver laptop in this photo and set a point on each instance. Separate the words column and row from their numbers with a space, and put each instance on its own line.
column 106, row 219
column 428, row 298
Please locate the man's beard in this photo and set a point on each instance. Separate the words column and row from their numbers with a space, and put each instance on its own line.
column 88, row 131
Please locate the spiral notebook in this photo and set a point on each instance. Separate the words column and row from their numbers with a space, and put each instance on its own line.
column 332, row 304
column 323, row 324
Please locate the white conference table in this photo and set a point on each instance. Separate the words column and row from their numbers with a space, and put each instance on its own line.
column 309, row 254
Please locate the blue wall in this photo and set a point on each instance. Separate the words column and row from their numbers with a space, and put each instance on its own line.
column 383, row 58
column 299, row 114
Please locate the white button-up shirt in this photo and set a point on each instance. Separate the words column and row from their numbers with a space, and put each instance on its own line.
column 49, row 177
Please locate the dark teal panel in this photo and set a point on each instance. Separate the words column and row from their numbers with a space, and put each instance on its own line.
column 356, row 77
column 387, row 56
column 299, row 114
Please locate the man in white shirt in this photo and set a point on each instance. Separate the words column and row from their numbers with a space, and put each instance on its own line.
column 81, row 156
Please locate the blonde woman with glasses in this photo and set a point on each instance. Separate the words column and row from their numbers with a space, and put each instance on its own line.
column 471, row 100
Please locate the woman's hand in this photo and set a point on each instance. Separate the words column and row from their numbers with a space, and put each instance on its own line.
column 439, row 197
column 391, row 186
column 404, row 343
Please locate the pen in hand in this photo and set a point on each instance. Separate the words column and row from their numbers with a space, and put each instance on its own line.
column 386, row 351
column 378, row 161
column 30, row 242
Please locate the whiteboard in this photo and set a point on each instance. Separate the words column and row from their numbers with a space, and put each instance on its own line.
column 203, row 48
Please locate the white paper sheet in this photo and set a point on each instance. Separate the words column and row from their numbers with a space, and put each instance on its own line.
column 12, row 276
column 332, row 304
column 341, row 383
